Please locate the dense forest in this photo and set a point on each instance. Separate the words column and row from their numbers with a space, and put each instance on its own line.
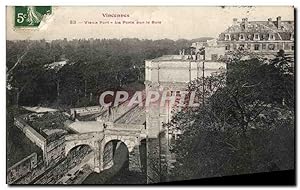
column 70, row 73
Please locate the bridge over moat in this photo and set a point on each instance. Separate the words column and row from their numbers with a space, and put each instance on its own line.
column 101, row 142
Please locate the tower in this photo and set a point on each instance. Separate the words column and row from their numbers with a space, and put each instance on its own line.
column 170, row 73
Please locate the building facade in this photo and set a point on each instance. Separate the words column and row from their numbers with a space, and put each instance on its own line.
column 170, row 73
column 264, row 38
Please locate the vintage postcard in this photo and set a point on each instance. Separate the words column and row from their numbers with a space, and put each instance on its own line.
column 150, row 95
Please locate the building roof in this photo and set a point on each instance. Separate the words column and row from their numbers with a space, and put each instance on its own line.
column 54, row 131
column 258, row 26
column 86, row 126
column 168, row 58
column 56, row 65
column 40, row 109
column 172, row 58
column 262, row 27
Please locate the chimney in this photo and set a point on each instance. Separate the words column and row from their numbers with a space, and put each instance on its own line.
column 279, row 22
column 269, row 20
column 234, row 21
column 245, row 23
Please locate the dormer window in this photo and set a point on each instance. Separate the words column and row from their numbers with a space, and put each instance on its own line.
column 271, row 47
column 242, row 37
column 227, row 36
column 234, row 46
column 271, row 37
column 256, row 36
column 292, row 36
column 227, row 47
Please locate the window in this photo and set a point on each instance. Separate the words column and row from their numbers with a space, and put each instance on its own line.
column 214, row 57
column 227, row 36
column 235, row 37
column 264, row 46
column 271, row 47
column 248, row 46
column 265, row 37
column 286, row 46
column 241, row 47
column 172, row 139
column 292, row 36
column 249, row 36
column 292, row 47
column 271, row 37
column 227, row 47
column 256, row 47
column 242, row 37
column 256, row 36
column 234, row 46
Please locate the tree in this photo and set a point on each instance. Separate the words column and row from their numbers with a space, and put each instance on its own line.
column 237, row 129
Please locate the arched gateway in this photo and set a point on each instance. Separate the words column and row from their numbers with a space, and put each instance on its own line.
column 102, row 146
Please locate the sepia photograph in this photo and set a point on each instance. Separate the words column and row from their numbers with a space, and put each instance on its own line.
column 150, row 95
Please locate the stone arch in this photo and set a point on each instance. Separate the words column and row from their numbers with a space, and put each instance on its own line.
column 71, row 145
column 109, row 150
column 81, row 151
column 128, row 141
column 131, row 142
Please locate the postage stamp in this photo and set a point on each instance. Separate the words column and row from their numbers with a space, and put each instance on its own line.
column 30, row 16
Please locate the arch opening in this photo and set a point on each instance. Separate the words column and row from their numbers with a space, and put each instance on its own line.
column 115, row 163
column 80, row 156
column 119, row 163
column 115, row 155
column 143, row 155
column 127, row 162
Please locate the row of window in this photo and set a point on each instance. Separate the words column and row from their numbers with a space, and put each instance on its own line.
column 256, row 36
column 258, row 47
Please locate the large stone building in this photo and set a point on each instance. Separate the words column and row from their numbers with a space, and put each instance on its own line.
column 260, row 37
column 170, row 73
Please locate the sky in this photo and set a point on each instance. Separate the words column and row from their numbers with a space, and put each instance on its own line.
column 176, row 22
